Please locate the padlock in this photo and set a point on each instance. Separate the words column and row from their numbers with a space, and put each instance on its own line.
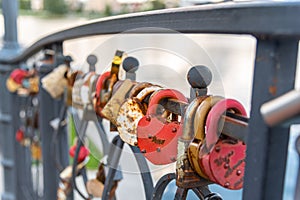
column 71, row 78
column 106, row 82
column 21, row 138
column 186, row 177
column 83, row 153
column 223, row 159
column 95, row 186
column 99, row 102
column 65, row 184
column 157, row 136
column 36, row 151
column 15, row 79
column 55, row 82
column 111, row 109
column 76, row 92
column 131, row 111
column 199, row 131
column 88, row 89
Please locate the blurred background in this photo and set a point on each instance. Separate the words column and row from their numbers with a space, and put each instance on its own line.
column 231, row 59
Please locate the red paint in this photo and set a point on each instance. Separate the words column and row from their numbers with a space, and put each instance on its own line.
column 156, row 137
column 20, row 135
column 83, row 153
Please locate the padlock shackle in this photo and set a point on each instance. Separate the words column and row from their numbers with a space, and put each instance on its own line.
column 201, row 115
column 159, row 95
column 100, row 83
column 138, row 87
column 197, row 131
column 99, row 87
column 213, row 119
column 146, row 92
column 130, row 112
column 188, row 131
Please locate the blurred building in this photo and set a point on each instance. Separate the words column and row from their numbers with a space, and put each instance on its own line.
column 114, row 6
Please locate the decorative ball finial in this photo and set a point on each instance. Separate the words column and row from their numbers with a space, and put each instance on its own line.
column 130, row 64
column 91, row 60
column 199, row 76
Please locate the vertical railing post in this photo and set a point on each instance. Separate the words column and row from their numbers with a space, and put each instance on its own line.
column 49, row 110
column 274, row 75
column 7, row 136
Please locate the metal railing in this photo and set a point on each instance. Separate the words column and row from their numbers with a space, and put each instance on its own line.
column 276, row 26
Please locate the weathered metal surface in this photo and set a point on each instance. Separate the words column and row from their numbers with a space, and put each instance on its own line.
column 185, row 174
column 111, row 109
column 267, row 147
column 213, row 120
column 157, row 137
column 236, row 18
column 227, row 164
column 281, row 108
column 131, row 111
column 197, row 130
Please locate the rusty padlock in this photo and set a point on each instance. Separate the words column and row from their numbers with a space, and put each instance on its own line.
column 131, row 111
column 15, row 79
column 65, row 185
column 186, row 176
column 198, row 125
column 223, row 159
column 71, row 78
column 105, row 83
column 111, row 109
column 76, row 92
column 55, row 82
column 157, row 136
column 88, row 90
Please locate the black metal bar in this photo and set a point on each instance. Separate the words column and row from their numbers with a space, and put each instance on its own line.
column 161, row 185
column 103, row 136
column 233, row 125
column 10, row 14
column 114, row 158
column 274, row 75
column 181, row 193
column 145, row 172
column 49, row 109
column 237, row 18
column 55, row 148
column 297, row 190
column 81, row 133
column 74, row 168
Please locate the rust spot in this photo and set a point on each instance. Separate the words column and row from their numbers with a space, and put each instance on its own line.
column 158, row 141
column 273, row 90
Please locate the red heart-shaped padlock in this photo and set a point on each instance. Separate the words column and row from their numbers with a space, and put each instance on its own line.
column 157, row 138
column 227, row 164
column 223, row 160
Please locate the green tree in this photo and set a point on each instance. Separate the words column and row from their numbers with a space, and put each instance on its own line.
column 55, row 6
column 24, row 4
column 158, row 4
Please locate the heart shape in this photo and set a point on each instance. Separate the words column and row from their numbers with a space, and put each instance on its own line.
column 227, row 164
column 157, row 139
